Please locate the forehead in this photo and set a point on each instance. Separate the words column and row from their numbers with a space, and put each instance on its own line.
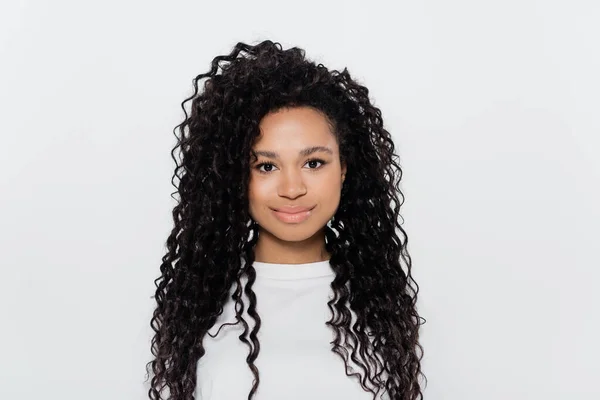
column 294, row 128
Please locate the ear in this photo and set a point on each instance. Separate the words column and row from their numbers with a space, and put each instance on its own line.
column 344, row 168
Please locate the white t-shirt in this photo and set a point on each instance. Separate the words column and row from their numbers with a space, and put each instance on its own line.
column 295, row 361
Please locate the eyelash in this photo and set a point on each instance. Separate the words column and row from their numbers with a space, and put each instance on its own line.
column 258, row 166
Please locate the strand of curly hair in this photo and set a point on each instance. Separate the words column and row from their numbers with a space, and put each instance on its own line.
column 213, row 230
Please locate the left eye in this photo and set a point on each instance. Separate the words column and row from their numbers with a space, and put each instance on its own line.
column 314, row 161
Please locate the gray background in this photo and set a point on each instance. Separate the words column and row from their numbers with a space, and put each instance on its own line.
column 494, row 109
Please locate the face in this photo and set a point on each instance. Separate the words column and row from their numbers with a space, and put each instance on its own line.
column 299, row 165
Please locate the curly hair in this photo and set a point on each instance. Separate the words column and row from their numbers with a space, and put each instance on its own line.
column 212, row 243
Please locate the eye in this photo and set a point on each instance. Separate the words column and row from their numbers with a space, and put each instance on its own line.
column 268, row 166
column 264, row 164
column 316, row 160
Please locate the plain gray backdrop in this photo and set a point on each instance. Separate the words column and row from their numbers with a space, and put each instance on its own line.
column 494, row 109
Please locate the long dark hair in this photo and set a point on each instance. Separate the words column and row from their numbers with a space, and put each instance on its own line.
column 211, row 245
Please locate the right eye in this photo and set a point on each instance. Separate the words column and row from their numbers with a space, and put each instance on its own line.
column 258, row 167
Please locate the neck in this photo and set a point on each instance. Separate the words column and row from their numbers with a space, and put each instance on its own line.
column 270, row 249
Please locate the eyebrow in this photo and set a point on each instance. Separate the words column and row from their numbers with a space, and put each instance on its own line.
column 304, row 152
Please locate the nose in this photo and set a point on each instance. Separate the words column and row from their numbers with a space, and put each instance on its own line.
column 292, row 185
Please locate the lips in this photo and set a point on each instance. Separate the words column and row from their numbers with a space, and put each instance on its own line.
column 297, row 216
column 293, row 209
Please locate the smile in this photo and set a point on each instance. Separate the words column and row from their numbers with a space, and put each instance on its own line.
column 292, row 218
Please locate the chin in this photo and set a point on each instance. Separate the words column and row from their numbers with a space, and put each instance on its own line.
column 292, row 234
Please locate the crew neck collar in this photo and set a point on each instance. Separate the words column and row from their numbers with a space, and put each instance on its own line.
column 293, row 271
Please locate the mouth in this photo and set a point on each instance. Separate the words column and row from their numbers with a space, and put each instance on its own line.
column 293, row 211
column 293, row 217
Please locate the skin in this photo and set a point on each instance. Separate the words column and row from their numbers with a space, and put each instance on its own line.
column 291, row 179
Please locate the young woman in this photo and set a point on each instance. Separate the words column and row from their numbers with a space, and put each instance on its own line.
column 287, row 274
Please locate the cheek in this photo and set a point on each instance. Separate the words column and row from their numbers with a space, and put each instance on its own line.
column 330, row 184
column 257, row 193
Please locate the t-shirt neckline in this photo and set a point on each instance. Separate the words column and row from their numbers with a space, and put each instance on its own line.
column 293, row 271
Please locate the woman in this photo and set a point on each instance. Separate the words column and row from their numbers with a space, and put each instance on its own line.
column 283, row 277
